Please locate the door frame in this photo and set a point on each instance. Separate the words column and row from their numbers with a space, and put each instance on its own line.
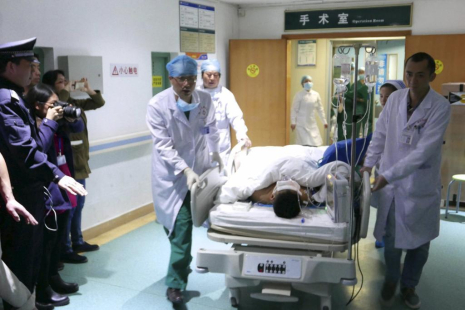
column 323, row 35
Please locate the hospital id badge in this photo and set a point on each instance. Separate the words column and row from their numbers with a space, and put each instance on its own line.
column 61, row 160
column 205, row 130
column 407, row 137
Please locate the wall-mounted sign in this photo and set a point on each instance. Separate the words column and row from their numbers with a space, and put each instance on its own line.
column 382, row 71
column 386, row 16
column 197, row 26
column 306, row 53
column 439, row 66
column 253, row 70
column 124, row 70
column 157, row 81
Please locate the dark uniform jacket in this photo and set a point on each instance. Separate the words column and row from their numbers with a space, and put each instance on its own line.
column 27, row 164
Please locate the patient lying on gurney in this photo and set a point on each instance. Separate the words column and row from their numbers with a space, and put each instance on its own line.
column 258, row 178
column 287, row 198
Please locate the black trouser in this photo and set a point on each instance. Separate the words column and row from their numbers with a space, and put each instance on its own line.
column 52, row 244
column 22, row 243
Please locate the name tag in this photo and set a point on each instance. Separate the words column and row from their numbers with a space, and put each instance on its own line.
column 407, row 136
column 61, row 160
column 205, row 130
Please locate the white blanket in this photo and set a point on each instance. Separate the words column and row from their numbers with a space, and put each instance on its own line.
column 266, row 165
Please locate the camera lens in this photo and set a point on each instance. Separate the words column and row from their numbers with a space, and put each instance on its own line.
column 72, row 112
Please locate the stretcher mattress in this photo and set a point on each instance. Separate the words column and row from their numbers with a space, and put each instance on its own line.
column 312, row 225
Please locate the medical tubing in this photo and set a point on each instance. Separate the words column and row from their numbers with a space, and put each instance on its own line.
column 365, row 131
column 353, row 155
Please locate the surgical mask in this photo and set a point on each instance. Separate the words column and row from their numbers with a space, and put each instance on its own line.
column 184, row 106
column 288, row 184
column 361, row 77
column 308, row 85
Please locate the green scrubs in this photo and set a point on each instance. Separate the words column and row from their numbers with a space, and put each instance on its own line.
column 361, row 108
column 181, row 245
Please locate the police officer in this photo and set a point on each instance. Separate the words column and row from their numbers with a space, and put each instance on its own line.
column 28, row 167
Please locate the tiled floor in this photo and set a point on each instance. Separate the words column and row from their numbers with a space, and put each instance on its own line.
column 128, row 273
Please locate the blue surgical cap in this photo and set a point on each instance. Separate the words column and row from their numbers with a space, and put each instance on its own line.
column 182, row 66
column 306, row 77
column 211, row 65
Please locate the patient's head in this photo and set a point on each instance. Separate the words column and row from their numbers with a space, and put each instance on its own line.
column 286, row 203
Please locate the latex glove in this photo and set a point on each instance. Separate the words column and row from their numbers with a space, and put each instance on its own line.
column 191, row 176
column 216, row 157
column 247, row 141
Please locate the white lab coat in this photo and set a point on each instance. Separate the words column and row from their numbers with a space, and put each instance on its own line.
column 412, row 170
column 227, row 113
column 178, row 143
column 303, row 116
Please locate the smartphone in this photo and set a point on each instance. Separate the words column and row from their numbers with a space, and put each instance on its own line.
column 79, row 85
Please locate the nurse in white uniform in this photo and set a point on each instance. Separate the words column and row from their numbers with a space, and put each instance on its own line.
column 228, row 113
column 183, row 126
column 306, row 102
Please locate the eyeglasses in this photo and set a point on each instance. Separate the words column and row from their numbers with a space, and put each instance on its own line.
column 212, row 75
column 184, row 79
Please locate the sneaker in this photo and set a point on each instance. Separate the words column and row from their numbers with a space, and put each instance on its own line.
column 73, row 258
column 387, row 293
column 411, row 299
column 85, row 247
column 379, row 245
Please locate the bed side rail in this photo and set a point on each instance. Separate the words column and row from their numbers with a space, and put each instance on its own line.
column 365, row 205
column 203, row 194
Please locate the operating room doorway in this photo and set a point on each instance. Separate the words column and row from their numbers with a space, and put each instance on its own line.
column 390, row 51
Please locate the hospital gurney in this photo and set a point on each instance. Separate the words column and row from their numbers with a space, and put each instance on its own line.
column 277, row 265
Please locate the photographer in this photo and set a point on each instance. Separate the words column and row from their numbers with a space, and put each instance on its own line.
column 80, row 144
column 54, row 121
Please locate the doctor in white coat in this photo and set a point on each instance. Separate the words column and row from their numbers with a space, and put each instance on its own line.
column 305, row 103
column 183, row 126
column 227, row 112
column 409, row 136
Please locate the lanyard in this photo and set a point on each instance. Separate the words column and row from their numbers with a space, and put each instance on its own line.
column 59, row 145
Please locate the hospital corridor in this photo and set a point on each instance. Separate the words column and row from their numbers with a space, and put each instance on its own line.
column 232, row 154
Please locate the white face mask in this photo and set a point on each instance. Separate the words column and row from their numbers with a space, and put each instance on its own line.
column 289, row 184
column 184, row 106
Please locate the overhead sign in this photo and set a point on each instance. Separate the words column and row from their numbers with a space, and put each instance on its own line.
column 124, row 70
column 386, row 16
column 197, row 27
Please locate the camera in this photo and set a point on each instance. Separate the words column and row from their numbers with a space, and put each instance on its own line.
column 68, row 110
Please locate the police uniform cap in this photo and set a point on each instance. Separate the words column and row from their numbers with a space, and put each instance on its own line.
column 18, row 49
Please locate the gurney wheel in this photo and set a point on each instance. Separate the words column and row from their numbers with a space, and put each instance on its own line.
column 234, row 302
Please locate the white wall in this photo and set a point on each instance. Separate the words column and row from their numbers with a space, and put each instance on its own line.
column 429, row 17
column 121, row 32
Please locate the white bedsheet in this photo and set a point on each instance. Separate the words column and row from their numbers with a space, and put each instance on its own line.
column 266, row 165
column 310, row 224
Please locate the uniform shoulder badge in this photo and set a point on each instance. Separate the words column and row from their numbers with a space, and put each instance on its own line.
column 14, row 95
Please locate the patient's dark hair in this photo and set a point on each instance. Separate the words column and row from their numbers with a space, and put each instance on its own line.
column 286, row 204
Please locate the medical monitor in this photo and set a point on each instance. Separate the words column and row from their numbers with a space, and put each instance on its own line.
column 337, row 198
